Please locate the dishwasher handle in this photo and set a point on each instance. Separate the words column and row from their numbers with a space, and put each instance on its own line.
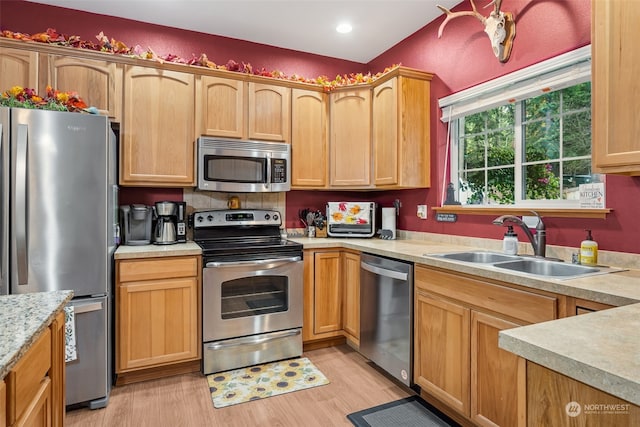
column 383, row 271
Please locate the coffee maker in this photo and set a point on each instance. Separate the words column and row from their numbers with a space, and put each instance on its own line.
column 181, row 222
column 165, row 231
column 135, row 223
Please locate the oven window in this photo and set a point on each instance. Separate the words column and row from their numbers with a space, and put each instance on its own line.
column 252, row 296
column 251, row 170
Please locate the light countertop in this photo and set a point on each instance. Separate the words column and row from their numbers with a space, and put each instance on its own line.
column 601, row 349
column 619, row 288
column 22, row 319
column 154, row 251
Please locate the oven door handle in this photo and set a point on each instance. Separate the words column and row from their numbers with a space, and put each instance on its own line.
column 253, row 262
column 219, row 345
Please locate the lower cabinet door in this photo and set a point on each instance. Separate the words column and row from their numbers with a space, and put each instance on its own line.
column 157, row 323
column 441, row 359
column 498, row 377
column 38, row 413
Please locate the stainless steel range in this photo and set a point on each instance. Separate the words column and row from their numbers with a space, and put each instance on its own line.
column 251, row 289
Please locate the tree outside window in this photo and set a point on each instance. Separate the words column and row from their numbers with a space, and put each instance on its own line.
column 535, row 149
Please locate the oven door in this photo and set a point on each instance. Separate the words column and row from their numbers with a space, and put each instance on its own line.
column 251, row 297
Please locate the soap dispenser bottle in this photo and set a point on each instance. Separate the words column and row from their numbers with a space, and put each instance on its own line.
column 588, row 250
column 510, row 242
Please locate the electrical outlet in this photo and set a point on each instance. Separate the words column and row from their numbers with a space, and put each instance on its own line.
column 422, row 211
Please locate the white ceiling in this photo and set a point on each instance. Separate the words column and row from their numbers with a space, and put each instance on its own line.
column 302, row 25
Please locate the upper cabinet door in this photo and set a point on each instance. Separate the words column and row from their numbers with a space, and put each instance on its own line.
column 158, row 140
column 18, row 68
column 385, row 133
column 350, row 144
column 401, row 138
column 98, row 83
column 616, row 87
column 222, row 107
column 309, row 152
column 269, row 112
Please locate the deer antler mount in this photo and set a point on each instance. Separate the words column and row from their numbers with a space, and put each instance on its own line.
column 499, row 26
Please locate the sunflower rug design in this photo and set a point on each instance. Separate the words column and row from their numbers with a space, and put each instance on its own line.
column 262, row 381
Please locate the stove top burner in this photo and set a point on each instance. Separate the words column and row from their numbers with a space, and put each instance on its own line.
column 250, row 233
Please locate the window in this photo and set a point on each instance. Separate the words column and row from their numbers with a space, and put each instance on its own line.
column 524, row 139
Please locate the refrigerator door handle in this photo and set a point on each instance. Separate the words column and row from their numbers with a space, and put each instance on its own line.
column 20, row 192
column 4, row 216
column 87, row 308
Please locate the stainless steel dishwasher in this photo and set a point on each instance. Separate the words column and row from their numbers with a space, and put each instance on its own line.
column 386, row 314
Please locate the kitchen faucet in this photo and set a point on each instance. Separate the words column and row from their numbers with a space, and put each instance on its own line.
column 538, row 242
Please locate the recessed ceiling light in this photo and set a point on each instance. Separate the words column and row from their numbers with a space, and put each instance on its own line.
column 344, row 27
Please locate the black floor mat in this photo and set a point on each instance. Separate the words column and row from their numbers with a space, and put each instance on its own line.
column 409, row 412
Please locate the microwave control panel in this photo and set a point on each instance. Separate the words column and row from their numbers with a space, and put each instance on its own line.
column 278, row 171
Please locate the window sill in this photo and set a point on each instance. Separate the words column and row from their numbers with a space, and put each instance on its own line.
column 544, row 212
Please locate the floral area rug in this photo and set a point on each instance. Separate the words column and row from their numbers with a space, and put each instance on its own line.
column 262, row 381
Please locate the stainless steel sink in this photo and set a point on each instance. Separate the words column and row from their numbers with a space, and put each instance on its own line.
column 541, row 267
column 478, row 257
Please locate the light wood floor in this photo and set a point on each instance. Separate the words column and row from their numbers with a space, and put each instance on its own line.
column 185, row 401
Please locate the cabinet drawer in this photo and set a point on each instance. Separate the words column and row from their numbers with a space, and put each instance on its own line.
column 157, row 268
column 515, row 303
column 25, row 379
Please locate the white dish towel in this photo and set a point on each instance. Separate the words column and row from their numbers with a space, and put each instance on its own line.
column 70, row 352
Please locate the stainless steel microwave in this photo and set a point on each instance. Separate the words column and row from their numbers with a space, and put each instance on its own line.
column 243, row 166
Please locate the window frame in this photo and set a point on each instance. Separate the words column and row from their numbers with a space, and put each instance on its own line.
column 557, row 73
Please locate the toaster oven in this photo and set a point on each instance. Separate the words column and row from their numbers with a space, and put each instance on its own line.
column 351, row 219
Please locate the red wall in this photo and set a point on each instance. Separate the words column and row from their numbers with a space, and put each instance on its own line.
column 460, row 59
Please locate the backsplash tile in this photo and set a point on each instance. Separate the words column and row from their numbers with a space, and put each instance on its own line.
column 203, row 200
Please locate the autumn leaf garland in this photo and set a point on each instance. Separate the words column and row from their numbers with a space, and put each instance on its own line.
column 105, row 44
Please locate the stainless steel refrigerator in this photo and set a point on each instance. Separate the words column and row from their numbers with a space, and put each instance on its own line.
column 59, row 213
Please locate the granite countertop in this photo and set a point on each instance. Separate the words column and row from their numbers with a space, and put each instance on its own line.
column 22, row 319
column 153, row 251
column 600, row 349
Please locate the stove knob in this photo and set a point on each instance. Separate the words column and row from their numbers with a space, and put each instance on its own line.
column 210, row 218
column 267, row 216
column 199, row 218
column 275, row 217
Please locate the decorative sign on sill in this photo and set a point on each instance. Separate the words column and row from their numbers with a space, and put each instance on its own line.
column 446, row 217
column 592, row 196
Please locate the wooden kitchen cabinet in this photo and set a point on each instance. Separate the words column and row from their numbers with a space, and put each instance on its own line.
column 456, row 355
column 232, row 108
column 497, row 376
column 560, row 391
column 158, row 139
column 222, row 107
column 157, row 312
column 3, row 404
column 309, row 139
column 327, row 292
column 351, row 295
column 331, row 286
column 29, row 400
column 576, row 306
column 18, row 67
column 98, row 83
column 615, row 87
column 401, row 130
column 442, row 352
column 350, row 140
column 58, row 370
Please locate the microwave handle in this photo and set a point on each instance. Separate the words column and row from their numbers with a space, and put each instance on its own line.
column 267, row 183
